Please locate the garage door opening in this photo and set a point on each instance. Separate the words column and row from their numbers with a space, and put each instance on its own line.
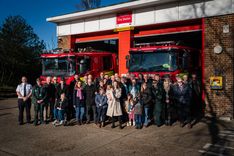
column 185, row 59
column 190, row 39
column 99, row 46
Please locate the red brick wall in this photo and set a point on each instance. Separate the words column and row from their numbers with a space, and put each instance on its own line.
column 64, row 42
column 219, row 102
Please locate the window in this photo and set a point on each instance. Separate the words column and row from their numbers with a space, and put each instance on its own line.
column 107, row 63
column 152, row 61
column 84, row 64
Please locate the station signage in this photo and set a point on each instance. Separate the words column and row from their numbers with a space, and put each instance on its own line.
column 124, row 19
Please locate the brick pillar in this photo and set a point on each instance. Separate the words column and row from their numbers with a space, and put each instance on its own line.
column 125, row 38
column 66, row 42
column 219, row 102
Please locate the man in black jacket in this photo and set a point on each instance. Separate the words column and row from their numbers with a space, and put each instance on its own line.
column 50, row 99
column 89, row 93
column 157, row 100
column 182, row 97
column 38, row 99
column 72, row 84
column 62, row 88
column 196, row 105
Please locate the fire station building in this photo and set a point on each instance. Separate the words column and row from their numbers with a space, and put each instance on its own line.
column 207, row 25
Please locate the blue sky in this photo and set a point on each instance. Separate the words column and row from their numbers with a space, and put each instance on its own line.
column 36, row 11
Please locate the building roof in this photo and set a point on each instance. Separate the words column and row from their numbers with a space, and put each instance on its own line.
column 108, row 9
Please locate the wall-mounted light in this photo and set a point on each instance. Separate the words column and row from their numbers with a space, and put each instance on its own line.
column 226, row 28
column 218, row 49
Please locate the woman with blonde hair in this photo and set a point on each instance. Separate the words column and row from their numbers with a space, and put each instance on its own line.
column 113, row 100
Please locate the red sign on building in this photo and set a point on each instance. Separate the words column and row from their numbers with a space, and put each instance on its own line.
column 124, row 18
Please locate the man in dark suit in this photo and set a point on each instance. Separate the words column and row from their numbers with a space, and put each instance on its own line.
column 89, row 93
column 182, row 96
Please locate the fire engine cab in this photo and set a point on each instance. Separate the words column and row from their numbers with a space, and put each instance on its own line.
column 66, row 63
column 162, row 58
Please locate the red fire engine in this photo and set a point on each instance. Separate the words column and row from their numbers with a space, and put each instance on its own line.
column 163, row 58
column 67, row 63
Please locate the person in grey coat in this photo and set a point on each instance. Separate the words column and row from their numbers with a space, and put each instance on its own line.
column 101, row 104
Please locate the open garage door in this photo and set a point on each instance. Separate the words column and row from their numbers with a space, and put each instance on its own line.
column 101, row 45
column 191, row 39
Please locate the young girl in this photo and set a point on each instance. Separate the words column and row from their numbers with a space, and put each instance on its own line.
column 59, row 110
column 138, row 113
column 129, row 106
column 101, row 104
column 78, row 102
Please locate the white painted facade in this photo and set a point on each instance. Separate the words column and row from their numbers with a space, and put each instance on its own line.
column 144, row 12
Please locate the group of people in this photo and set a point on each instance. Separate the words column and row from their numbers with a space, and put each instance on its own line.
column 138, row 101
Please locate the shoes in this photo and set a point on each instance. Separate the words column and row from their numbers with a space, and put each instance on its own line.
column 189, row 125
column 97, row 125
column 44, row 122
column 103, row 124
column 181, row 124
column 29, row 122
column 87, row 122
column 80, row 122
column 35, row 123
column 65, row 123
column 60, row 123
column 54, row 122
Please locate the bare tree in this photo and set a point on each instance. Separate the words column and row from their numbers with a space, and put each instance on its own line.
column 88, row 4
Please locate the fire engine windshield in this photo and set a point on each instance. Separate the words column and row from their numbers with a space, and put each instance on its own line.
column 152, row 61
column 64, row 66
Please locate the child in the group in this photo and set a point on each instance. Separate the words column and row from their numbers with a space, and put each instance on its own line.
column 78, row 102
column 59, row 110
column 138, row 113
column 129, row 106
column 101, row 104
